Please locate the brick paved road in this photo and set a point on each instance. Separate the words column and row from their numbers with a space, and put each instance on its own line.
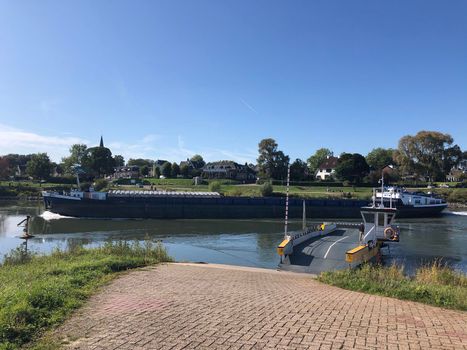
column 179, row 306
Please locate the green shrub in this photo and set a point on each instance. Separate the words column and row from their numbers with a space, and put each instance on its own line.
column 65, row 180
column 84, row 186
column 434, row 284
column 458, row 196
column 266, row 189
column 215, row 186
column 100, row 184
column 7, row 192
column 235, row 192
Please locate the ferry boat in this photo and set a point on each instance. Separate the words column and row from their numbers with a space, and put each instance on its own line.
column 410, row 204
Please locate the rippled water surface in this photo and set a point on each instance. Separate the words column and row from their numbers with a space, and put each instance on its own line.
column 238, row 242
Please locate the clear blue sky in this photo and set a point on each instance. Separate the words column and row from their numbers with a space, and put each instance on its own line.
column 167, row 79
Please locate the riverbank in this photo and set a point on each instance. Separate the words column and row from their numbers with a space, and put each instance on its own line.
column 434, row 284
column 194, row 306
column 457, row 206
column 312, row 190
column 39, row 292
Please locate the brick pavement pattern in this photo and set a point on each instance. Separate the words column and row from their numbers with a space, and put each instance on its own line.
column 188, row 306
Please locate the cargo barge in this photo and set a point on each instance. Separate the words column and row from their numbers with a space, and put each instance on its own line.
column 206, row 205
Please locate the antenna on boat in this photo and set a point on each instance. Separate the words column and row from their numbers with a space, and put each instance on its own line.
column 390, row 197
column 287, row 202
column 382, row 189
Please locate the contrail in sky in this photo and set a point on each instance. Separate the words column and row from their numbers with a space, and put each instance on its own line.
column 248, row 106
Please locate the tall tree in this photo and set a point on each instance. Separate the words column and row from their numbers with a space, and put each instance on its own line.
column 17, row 160
column 423, row 154
column 101, row 161
column 78, row 155
column 379, row 157
column 316, row 159
column 157, row 173
column 141, row 162
column 175, row 170
column 298, row 170
column 119, row 160
column 185, row 170
column 451, row 157
column 4, row 167
column 197, row 161
column 352, row 167
column 166, row 169
column 145, row 170
column 39, row 167
column 272, row 163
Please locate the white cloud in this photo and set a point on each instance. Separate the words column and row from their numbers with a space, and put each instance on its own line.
column 145, row 148
column 158, row 147
column 149, row 138
column 13, row 140
column 151, row 146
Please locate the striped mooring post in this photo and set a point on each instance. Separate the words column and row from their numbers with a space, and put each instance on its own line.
column 287, row 202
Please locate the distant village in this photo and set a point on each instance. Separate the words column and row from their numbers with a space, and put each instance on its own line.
column 428, row 156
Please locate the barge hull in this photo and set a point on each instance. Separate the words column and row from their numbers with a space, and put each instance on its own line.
column 199, row 208
column 214, row 208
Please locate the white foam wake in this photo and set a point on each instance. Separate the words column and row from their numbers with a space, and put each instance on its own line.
column 463, row 213
column 48, row 215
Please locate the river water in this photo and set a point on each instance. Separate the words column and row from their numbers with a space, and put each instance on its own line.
column 237, row 242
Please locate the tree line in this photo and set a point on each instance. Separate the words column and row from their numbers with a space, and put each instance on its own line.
column 90, row 163
column 428, row 155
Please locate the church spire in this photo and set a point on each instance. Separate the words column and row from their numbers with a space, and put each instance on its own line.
column 101, row 144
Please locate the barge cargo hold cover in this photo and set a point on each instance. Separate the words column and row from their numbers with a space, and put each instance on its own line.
column 197, row 205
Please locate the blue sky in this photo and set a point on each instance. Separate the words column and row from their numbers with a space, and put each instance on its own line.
column 168, row 79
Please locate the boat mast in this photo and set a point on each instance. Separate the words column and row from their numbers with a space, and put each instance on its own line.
column 287, row 202
column 382, row 189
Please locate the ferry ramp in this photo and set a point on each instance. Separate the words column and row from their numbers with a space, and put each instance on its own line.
column 325, row 253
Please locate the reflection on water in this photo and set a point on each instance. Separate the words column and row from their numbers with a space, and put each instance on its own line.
column 240, row 242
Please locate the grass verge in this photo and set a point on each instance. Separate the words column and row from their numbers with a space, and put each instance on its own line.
column 434, row 284
column 38, row 292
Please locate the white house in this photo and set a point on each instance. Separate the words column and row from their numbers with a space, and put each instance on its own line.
column 327, row 168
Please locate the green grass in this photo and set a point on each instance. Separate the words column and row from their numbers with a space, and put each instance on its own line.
column 434, row 284
column 33, row 184
column 171, row 182
column 28, row 188
column 39, row 292
column 253, row 190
